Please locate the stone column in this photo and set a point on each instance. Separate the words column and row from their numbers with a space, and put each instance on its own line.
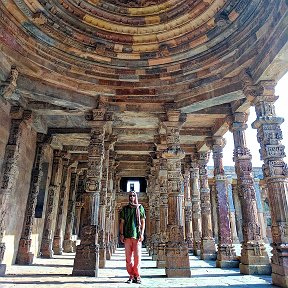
column 254, row 258
column 58, row 234
column 238, row 210
column 275, row 171
column 235, row 238
column 102, row 208
column 79, row 202
column 24, row 256
column 68, row 246
column 208, row 250
column 86, row 261
column 260, row 210
column 9, row 174
column 163, row 205
column 53, row 192
column 214, row 215
column 188, row 206
column 176, row 248
column 196, row 208
column 226, row 256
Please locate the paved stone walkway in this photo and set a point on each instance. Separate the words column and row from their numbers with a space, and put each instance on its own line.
column 56, row 273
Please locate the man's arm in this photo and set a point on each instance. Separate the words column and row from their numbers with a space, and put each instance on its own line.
column 142, row 229
column 121, row 230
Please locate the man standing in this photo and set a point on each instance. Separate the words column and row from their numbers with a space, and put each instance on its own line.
column 132, row 226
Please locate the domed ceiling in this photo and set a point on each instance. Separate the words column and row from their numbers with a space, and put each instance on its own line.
column 136, row 58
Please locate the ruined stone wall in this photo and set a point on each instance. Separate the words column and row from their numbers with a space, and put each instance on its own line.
column 18, row 198
column 4, row 128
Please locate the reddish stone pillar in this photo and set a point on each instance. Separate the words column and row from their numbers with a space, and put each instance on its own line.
column 226, row 256
column 275, row 171
column 196, row 209
column 86, row 261
column 254, row 258
column 68, row 246
column 9, row 174
column 176, row 247
column 24, row 256
column 53, row 190
column 208, row 250
column 58, row 234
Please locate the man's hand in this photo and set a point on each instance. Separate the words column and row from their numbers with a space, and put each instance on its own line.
column 122, row 239
column 141, row 238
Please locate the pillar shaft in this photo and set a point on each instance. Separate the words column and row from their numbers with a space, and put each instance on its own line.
column 24, row 256
column 208, row 250
column 9, row 174
column 58, row 234
column 53, row 192
column 86, row 261
column 176, row 248
column 269, row 136
column 254, row 258
column 226, row 256
column 196, row 208
column 68, row 242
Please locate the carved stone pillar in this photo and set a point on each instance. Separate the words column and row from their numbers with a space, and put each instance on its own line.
column 226, row 256
column 102, row 208
column 24, row 256
column 260, row 210
column 9, row 174
column 176, row 248
column 80, row 190
column 208, row 250
column 86, row 261
column 235, row 238
column 196, row 208
column 254, row 258
column 188, row 206
column 68, row 246
column 275, row 171
column 53, row 191
column 238, row 210
column 161, row 259
column 58, row 234
column 214, row 214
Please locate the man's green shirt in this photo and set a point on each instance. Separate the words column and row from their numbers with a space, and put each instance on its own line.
column 128, row 214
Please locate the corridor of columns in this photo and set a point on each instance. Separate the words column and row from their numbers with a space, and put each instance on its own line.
column 99, row 96
column 56, row 272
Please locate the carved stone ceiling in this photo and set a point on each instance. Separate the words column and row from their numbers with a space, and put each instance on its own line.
column 138, row 59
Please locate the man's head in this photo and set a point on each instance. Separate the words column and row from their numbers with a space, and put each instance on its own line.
column 133, row 197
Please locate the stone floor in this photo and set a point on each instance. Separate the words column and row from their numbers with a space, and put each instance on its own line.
column 56, row 272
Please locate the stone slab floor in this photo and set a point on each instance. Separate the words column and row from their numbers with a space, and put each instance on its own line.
column 56, row 273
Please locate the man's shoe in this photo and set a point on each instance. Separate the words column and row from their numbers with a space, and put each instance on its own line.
column 137, row 280
column 129, row 281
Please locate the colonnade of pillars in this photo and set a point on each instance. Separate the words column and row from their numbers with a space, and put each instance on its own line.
column 180, row 213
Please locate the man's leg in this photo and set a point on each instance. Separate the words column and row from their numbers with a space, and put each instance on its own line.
column 137, row 245
column 128, row 253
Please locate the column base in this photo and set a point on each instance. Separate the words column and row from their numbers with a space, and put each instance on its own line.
column 208, row 250
column 24, row 259
column 254, row 259
column 178, row 264
column 227, row 263
column 68, row 246
column 86, row 262
column 250, row 269
column 102, row 257
column 46, row 249
column 154, row 257
column 161, row 259
column 2, row 269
